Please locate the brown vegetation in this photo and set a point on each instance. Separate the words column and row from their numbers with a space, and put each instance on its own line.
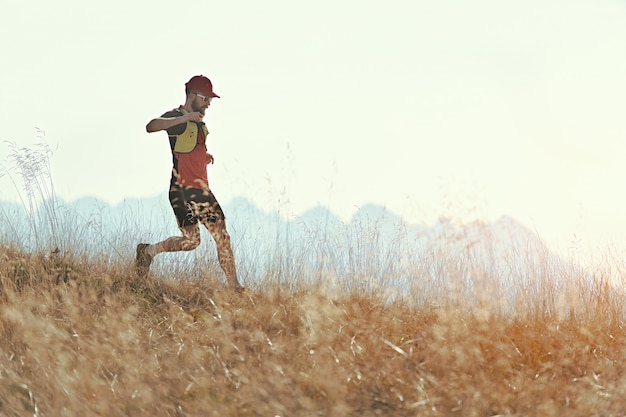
column 83, row 339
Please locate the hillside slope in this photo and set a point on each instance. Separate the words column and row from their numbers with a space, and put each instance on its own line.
column 86, row 338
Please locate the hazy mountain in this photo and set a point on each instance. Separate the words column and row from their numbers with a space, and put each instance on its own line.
column 375, row 246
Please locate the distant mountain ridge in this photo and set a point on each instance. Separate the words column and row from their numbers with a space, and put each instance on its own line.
column 374, row 245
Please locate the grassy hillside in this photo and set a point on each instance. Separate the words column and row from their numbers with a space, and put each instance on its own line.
column 81, row 338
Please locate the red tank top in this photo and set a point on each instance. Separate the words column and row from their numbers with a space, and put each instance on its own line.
column 192, row 166
column 189, row 168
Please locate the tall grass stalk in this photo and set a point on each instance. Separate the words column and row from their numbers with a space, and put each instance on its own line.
column 37, row 191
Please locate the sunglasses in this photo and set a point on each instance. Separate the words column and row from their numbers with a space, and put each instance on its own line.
column 204, row 98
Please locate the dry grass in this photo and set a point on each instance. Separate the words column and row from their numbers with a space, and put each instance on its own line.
column 437, row 334
column 84, row 339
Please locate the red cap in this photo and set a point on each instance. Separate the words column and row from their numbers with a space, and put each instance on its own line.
column 202, row 84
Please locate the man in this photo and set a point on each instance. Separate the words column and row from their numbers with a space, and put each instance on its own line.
column 190, row 196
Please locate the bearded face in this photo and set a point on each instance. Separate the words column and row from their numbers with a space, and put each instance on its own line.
column 200, row 103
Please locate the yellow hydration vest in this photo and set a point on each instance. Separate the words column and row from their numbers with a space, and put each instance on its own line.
column 187, row 141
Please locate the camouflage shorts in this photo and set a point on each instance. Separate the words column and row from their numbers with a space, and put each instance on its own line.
column 191, row 205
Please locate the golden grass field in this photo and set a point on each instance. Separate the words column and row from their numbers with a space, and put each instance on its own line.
column 82, row 335
column 81, row 338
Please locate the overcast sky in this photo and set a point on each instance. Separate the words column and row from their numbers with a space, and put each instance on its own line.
column 429, row 108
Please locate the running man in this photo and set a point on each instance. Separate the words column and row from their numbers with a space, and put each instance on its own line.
column 190, row 196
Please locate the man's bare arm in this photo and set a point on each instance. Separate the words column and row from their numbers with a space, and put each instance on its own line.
column 164, row 123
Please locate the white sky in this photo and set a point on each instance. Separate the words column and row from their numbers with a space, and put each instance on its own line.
column 430, row 108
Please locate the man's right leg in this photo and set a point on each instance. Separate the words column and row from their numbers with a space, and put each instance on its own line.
column 146, row 252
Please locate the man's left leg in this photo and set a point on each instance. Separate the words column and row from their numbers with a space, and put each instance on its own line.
column 209, row 212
